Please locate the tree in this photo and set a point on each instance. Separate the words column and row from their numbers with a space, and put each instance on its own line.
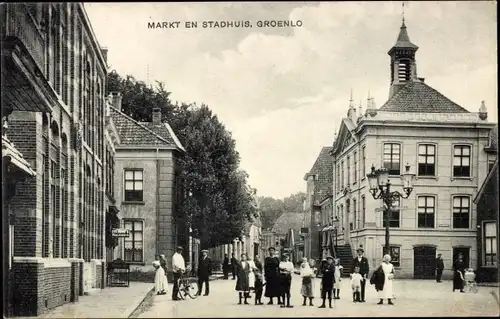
column 271, row 208
column 220, row 204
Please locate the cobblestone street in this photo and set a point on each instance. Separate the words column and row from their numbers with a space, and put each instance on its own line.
column 413, row 298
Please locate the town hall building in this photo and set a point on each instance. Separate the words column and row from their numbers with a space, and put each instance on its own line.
column 444, row 145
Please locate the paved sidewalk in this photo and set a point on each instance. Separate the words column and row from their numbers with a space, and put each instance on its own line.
column 111, row 302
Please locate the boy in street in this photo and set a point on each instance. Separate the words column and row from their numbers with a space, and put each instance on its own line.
column 327, row 282
column 356, row 279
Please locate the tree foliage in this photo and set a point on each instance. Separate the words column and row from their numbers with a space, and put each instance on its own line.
column 272, row 208
column 220, row 204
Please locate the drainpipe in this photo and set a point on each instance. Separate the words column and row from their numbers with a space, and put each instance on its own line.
column 157, row 201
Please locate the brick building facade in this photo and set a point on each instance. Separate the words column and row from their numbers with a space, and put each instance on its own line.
column 53, row 59
column 444, row 145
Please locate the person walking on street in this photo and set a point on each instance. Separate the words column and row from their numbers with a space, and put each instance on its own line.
column 204, row 272
column 242, row 286
column 383, row 278
column 271, row 274
column 160, row 279
column 178, row 267
column 439, row 267
column 225, row 267
column 286, row 269
column 307, row 275
column 458, row 273
column 327, row 282
column 364, row 268
column 234, row 265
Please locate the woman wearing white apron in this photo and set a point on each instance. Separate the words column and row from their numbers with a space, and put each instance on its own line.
column 251, row 274
column 160, row 279
column 388, row 271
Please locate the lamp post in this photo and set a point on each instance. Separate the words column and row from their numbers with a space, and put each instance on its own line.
column 380, row 188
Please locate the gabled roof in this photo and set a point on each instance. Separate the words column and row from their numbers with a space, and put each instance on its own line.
column 323, row 169
column 287, row 221
column 416, row 96
column 136, row 133
column 492, row 174
column 345, row 132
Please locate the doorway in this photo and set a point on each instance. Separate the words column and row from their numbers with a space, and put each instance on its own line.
column 424, row 262
column 465, row 251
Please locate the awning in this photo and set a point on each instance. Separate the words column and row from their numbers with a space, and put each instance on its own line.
column 10, row 154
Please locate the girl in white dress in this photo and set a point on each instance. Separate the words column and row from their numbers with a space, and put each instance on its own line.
column 160, row 279
column 251, row 274
column 338, row 278
column 387, row 291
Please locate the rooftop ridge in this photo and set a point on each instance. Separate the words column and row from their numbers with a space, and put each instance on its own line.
column 138, row 124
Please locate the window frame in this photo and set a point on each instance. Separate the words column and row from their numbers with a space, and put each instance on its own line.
column 342, row 175
column 461, row 156
column 391, row 173
column 355, row 166
column 134, row 170
column 363, row 149
column 483, row 243
column 391, row 219
column 434, row 212
column 469, row 213
column 426, row 155
column 348, row 169
column 133, row 221
column 391, row 247
column 363, row 211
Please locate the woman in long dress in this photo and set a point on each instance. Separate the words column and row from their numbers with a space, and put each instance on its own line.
column 338, row 278
column 242, row 284
column 458, row 273
column 307, row 275
column 160, row 279
column 388, row 274
column 286, row 268
column 271, row 274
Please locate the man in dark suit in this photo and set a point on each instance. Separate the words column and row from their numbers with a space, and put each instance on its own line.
column 364, row 268
column 439, row 267
column 234, row 264
column 204, row 272
column 225, row 267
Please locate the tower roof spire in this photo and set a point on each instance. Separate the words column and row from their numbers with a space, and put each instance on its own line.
column 403, row 40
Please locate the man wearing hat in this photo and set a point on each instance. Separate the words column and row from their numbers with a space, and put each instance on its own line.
column 204, row 272
column 439, row 267
column 327, row 282
column 361, row 262
column 178, row 267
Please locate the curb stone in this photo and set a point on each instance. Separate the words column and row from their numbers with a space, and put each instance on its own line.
column 130, row 310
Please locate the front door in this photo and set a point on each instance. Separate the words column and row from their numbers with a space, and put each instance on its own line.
column 465, row 252
column 424, row 262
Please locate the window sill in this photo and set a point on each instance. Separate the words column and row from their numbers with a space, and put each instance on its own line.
column 489, row 266
column 136, row 263
column 461, row 178
column 426, row 177
column 133, row 203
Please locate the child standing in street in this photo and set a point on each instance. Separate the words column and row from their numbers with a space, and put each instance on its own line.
column 327, row 282
column 338, row 278
column 259, row 286
column 356, row 285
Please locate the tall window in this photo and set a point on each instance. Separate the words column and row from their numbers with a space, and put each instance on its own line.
column 392, row 153
column 363, row 213
column 342, row 175
column 348, row 164
column 341, row 227
column 338, row 178
column 394, row 214
column 363, row 163
column 461, row 211
column 133, row 185
column 355, row 213
column 133, row 251
column 461, row 161
column 426, row 160
column 426, row 208
column 53, row 195
column 355, row 159
column 490, row 244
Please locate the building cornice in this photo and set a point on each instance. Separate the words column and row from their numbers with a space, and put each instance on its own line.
column 95, row 42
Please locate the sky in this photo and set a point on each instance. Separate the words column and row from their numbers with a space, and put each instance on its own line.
column 282, row 92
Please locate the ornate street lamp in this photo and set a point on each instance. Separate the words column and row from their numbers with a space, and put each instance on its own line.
column 380, row 188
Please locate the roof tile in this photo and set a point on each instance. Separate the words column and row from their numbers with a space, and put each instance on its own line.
column 323, row 168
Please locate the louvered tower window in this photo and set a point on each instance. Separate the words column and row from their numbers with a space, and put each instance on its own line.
column 404, row 70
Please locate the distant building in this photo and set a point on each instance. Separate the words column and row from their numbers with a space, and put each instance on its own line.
column 284, row 229
column 318, row 211
column 53, row 79
column 488, row 230
column 444, row 145
column 148, row 189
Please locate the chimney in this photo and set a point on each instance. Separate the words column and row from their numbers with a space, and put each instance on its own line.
column 156, row 116
column 104, row 52
column 422, row 80
column 116, row 100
